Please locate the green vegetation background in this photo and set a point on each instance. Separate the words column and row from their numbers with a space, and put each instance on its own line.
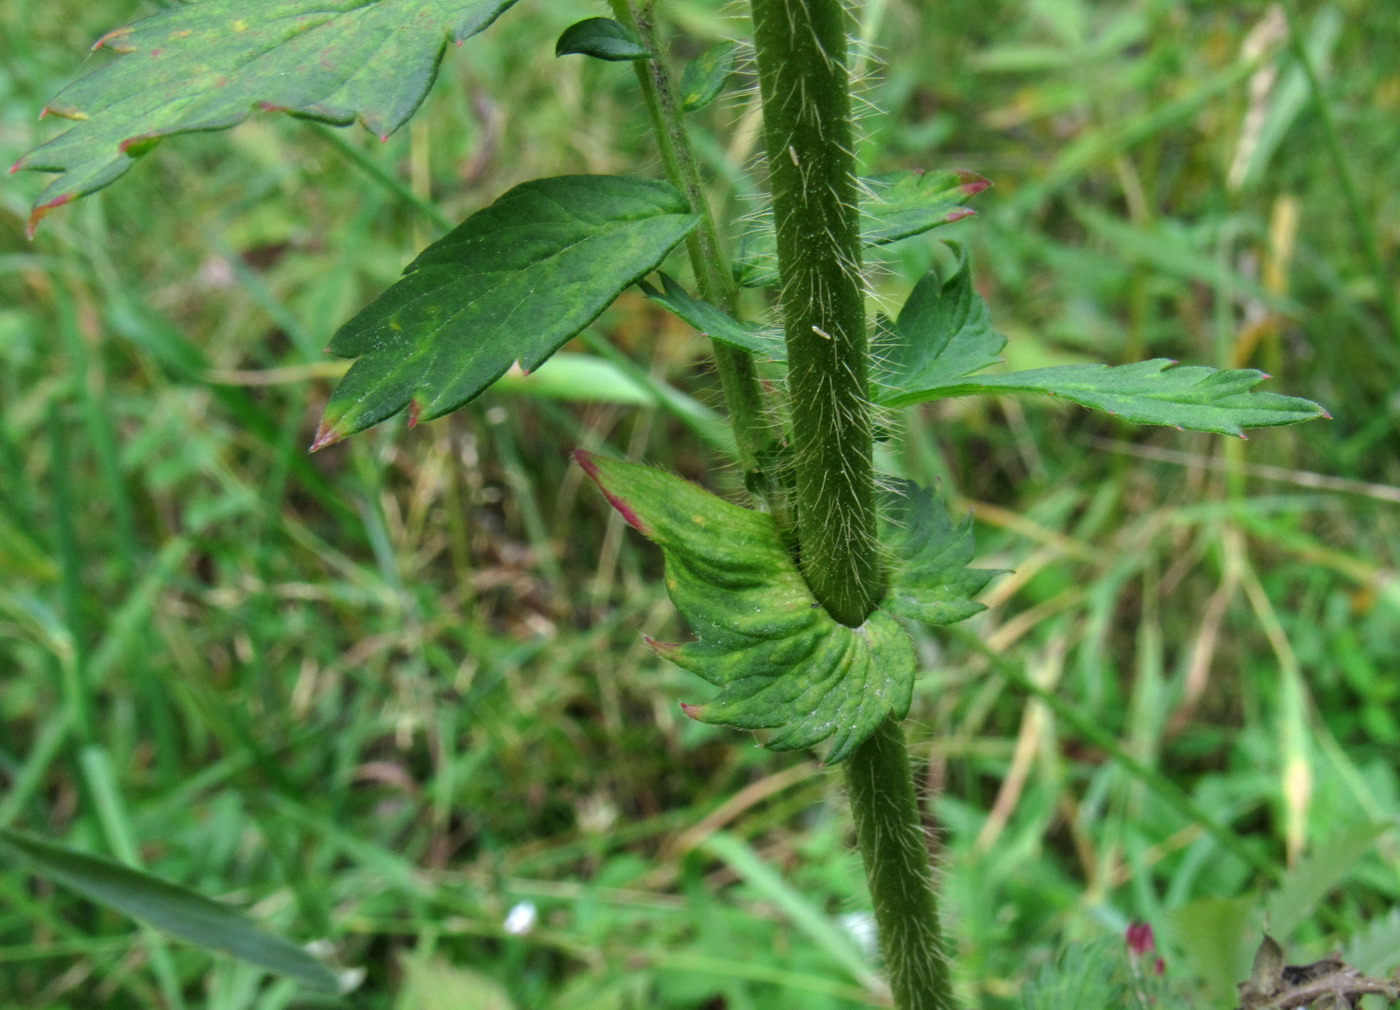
column 390, row 693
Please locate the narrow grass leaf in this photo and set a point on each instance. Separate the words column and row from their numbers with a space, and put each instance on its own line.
column 782, row 663
column 603, row 39
column 183, row 914
column 714, row 322
column 835, row 941
column 510, row 284
column 206, row 66
column 894, row 206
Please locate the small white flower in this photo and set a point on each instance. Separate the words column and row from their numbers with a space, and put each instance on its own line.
column 522, row 919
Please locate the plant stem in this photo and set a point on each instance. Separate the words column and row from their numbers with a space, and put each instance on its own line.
column 897, row 870
column 757, row 434
column 801, row 50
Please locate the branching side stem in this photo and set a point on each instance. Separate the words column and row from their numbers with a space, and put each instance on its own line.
column 757, row 433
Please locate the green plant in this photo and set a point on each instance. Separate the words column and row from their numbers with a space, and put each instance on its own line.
column 796, row 603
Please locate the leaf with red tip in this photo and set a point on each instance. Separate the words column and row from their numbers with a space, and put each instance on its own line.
column 782, row 663
column 510, row 284
column 896, row 205
column 207, row 65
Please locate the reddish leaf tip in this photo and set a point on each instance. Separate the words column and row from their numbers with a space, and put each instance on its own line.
column 972, row 183
column 326, row 435
column 1327, row 414
column 589, row 462
column 118, row 33
column 415, row 412
column 585, row 459
column 958, row 214
column 1265, row 375
column 17, row 166
column 696, row 712
column 144, row 138
column 42, row 211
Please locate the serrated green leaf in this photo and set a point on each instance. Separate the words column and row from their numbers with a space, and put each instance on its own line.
column 705, row 76
column 603, row 39
column 894, row 206
column 782, row 663
column 183, row 914
column 715, row 322
column 929, row 578
column 207, row 65
column 944, row 332
column 1307, row 883
column 510, row 284
column 1146, row 392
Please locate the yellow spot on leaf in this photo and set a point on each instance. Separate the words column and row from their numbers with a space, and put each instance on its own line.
column 240, row 26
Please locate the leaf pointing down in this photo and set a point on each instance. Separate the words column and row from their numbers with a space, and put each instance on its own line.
column 207, row 65
column 512, row 283
column 782, row 663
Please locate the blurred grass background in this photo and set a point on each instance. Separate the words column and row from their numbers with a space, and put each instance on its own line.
column 385, row 695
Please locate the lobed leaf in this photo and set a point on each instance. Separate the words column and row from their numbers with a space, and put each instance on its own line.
column 943, row 335
column 1157, row 391
column 603, row 39
column 181, row 913
column 782, row 663
column 510, row 284
column 895, row 205
column 206, row 65
column 943, row 332
column 714, row 322
column 929, row 578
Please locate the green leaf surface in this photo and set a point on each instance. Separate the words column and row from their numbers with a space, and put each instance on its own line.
column 895, row 205
column 782, row 663
column 943, row 332
column 1146, row 392
column 1303, row 886
column 510, row 284
column 183, row 914
column 715, row 322
column 207, row 65
column 705, row 76
column 929, row 578
column 603, row 39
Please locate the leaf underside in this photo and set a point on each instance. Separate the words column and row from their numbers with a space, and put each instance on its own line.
column 207, row 65
column 782, row 663
column 705, row 76
column 510, row 284
column 894, row 206
column 944, row 335
column 715, row 323
column 183, row 914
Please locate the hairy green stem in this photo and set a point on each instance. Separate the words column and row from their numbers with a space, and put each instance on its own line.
column 757, row 433
column 801, row 51
column 898, row 871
